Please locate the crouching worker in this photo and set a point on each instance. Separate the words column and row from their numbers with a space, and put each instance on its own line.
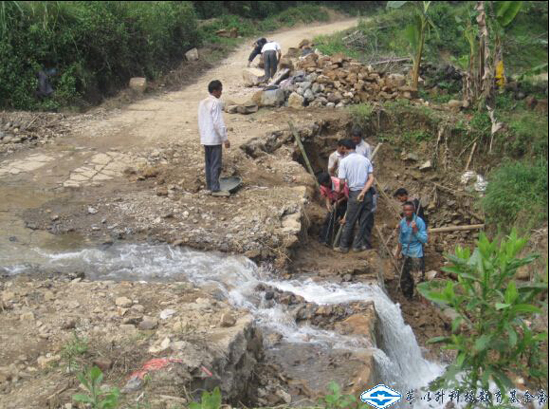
column 412, row 236
column 335, row 203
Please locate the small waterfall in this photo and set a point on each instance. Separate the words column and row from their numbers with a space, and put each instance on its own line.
column 400, row 361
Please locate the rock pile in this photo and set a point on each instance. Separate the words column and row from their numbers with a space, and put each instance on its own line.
column 309, row 78
column 338, row 81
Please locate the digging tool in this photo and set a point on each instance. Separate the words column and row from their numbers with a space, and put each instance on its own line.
column 302, row 149
column 342, row 226
column 457, row 228
column 330, row 226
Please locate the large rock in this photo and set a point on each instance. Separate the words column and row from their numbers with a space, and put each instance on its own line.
column 247, row 108
column 138, row 84
column 252, row 77
column 395, row 80
column 295, row 101
column 272, row 98
column 192, row 55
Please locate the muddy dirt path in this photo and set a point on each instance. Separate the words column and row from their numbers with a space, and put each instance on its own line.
column 103, row 144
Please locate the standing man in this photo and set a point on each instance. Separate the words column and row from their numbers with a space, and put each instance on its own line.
column 272, row 54
column 335, row 158
column 412, row 237
column 258, row 45
column 213, row 134
column 335, row 203
column 361, row 146
column 358, row 172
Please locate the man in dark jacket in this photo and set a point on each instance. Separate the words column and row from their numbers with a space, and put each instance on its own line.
column 402, row 195
column 258, row 44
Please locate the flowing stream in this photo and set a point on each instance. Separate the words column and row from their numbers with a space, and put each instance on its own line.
column 235, row 278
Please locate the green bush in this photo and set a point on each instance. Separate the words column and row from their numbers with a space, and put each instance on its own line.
column 492, row 331
column 95, row 47
column 517, row 194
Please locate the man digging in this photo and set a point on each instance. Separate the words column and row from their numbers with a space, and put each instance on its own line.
column 358, row 172
column 213, row 134
column 412, row 236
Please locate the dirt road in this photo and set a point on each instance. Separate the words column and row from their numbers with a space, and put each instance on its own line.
column 100, row 146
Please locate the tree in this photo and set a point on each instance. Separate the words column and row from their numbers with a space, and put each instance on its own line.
column 416, row 33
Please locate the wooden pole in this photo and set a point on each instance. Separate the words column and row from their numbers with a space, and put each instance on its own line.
column 456, row 228
column 304, row 154
column 392, row 257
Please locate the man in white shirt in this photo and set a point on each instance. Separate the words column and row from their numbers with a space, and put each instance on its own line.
column 335, row 158
column 213, row 134
column 271, row 52
column 361, row 146
column 357, row 170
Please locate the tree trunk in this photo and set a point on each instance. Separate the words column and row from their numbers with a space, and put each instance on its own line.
column 416, row 68
column 485, row 66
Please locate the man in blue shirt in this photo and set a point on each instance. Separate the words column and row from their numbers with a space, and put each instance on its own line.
column 356, row 170
column 412, row 236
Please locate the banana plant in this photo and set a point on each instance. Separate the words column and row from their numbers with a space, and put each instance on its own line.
column 506, row 12
column 416, row 33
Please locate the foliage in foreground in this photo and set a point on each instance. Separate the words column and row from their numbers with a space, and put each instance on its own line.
column 493, row 333
column 97, row 396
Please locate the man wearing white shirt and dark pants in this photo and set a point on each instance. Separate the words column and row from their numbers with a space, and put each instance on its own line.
column 272, row 54
column 357, row 170
column 361, row 146
column 213, row 134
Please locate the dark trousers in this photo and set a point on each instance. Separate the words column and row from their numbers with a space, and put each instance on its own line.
column 330, row 225
column 255, row 52
column 411, row 266
column 357, row 212
column 213, row 166
column 270, row 63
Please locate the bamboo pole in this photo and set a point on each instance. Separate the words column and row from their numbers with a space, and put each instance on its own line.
column 456, row 228
column 302, row 149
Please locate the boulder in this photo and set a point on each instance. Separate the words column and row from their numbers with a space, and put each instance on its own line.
column 192, row 55
column 308, row 95
column 247, row 108
column 272, row 98
column 252, row 77
column 295, row 101
column 138, row 84
column 286, row 62
column 280, row 76
column 395, row 80
column 454, row 105
column 292, row 52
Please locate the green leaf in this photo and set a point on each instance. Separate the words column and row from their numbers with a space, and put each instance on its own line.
column 512, row 337
column 526, row 308
column 507, row 11
column 511, row 293
column 500, row 306
column 460, row 359
column 543, row 336
column 82, row 398
column 194, row 405
column 395, row 4
column 482, row 343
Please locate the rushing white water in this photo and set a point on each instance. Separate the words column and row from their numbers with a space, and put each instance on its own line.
column 400, row 362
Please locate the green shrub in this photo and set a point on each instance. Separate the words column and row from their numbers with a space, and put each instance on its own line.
column 496, row 337
column 517, row 194
column 95, row 47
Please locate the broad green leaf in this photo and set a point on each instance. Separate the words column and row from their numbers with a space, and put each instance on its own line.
column 543, row 336
column 460, row 359
column 482, row 343
column 456, row 323
column 507, row 12
column 194, row 405
column 526, row 308
column 512, row 337
column 500, row 306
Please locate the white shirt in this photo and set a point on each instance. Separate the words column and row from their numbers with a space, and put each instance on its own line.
column 334, row 160
column 363, row 148
column 355, row 168
column 272, row 46
column 211, row 126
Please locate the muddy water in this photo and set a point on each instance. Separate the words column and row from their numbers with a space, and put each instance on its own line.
column 235, row 278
